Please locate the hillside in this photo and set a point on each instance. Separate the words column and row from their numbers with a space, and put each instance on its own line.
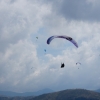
column 98, row 90
column 71, row 94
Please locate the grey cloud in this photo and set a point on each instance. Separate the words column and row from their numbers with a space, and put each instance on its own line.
column 12, row 1
column 77, row 9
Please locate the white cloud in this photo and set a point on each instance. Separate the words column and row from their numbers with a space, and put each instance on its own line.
column 20, row 19
column 23, row 67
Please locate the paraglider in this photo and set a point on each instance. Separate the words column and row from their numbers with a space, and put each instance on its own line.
column 37, row 37
column 64, row 37
column 78, row 63
column 45, row 50
column 62, row 65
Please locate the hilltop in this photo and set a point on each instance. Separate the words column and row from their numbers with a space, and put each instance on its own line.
column 70, row 94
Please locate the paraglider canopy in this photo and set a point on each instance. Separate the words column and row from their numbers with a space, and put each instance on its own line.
column 62, row 65
column 37, row 37
column 64, row 37
column 78, row 63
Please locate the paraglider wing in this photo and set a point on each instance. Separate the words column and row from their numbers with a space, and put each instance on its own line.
column 50, row 39
column 65, row 37
column 74, row 42
column 78, row 63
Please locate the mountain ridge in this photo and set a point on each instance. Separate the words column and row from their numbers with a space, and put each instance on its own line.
column 70, row 94
column 12, row 94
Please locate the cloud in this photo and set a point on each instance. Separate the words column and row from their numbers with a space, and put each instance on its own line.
column 87, row 36
column 18, row 20
column 25, row 67
column 17, row 62
column 85, row 10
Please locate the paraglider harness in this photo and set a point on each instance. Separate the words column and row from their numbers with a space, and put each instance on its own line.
column 62, row 65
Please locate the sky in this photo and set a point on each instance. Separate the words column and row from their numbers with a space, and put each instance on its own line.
column 26, row 67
